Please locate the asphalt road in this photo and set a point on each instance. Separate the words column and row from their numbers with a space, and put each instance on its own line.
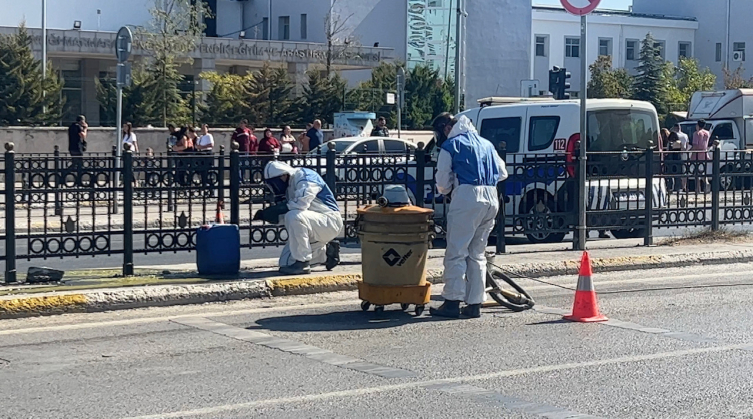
column 669, row 351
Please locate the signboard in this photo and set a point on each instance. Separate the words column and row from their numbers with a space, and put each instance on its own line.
column 123, row 75
column 580, row 7
column 123, row 44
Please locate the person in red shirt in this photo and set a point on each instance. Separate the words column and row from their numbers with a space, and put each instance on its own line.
column 269, row 144
column 244, row 136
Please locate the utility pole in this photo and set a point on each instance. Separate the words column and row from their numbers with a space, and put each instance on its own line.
column 459, row 55
column 728, row 46
column 44, row 47
column 582, row 179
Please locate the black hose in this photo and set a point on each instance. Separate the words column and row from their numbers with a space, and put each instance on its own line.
column 515, row 302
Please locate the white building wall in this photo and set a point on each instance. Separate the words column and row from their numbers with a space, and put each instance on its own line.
column 498, row 48
column 558, row 25
column 62, row 13
column 712, row 19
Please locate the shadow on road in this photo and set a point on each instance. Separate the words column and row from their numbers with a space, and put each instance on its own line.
column 344, row 320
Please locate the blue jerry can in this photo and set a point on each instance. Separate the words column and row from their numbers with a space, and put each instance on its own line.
column 218, row 249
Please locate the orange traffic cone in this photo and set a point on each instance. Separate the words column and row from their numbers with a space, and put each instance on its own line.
column 219, row 218
column 585, row 307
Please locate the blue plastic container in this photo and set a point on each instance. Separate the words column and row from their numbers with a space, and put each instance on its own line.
column 218, row 249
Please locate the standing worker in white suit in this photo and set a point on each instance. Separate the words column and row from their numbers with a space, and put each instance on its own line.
column 311, row 216
column 468, row 170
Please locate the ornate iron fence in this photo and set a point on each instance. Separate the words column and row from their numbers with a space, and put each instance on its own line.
column 63, row 206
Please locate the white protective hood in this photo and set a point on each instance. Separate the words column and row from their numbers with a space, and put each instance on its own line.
column 463, row 126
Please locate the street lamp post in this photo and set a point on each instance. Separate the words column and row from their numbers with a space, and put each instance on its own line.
column 44, row 39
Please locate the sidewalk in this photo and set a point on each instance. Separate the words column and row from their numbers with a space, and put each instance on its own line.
column 161, row 285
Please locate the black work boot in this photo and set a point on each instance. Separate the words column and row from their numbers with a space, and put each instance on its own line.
column 333, row 255
column 450, row 308
column 298, row 268
column 472, row 310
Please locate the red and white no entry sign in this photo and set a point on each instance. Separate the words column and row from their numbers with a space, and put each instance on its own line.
column 580, row 7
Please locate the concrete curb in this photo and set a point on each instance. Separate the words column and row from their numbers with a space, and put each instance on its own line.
column 168, row 295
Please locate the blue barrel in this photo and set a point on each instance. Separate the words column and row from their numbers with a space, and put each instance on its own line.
column 218, row 249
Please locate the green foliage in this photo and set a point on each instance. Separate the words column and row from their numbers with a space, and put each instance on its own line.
column 735, row 80
column 607, row 82
column 267, row 97
column 173, row 32
column 322, row 96
column 426, row 95
column 25, row 97
column 224, row 103
column 650, row 83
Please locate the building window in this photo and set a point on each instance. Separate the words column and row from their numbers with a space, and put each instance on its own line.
column 435, row 3
column 572, row 47
column 719, row 52
column 662, row 47
column 684, row 50
column 283, row 28
column 605, row 47
column 265, row 28
column 304, row 26
column 631, row 47
column 739, row 47
column 541, row 46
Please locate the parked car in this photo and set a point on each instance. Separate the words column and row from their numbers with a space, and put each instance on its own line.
column 352, row 145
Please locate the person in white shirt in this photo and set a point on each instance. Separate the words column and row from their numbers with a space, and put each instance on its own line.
column 129, row 137
column 679, row 141
column 206, row 141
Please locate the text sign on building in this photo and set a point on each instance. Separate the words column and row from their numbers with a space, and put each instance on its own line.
column 123, row 44
column 580, row 7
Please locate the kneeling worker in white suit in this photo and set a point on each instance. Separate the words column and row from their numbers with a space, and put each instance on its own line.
column 468, row 169
column 311, row 216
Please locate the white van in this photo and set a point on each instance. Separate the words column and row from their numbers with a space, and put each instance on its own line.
column 728, row 115
column 551, row 128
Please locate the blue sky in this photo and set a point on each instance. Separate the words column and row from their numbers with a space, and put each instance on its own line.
column 605, row 4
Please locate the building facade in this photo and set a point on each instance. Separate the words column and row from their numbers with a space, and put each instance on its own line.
column 723, row 30
column 556, row 40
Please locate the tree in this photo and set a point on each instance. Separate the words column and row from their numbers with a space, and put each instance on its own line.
column 224, row 103
column 268, row 96
column 735, row 80
column 649, row 83
column 173, row 31
column 322, row 96
column 686, row 79
column 334, row 25
column 607, row 82
column 25, row 97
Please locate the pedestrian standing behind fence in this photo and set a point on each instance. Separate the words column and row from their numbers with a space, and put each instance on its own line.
column 304, row 140
column 130, row 138
column 381, row 129
column 315, row 135
column 185, row 143
column 244, row 136
column 699, row 152
column 205, row 143
column 269, row 144
column 172, row 137
column 288, row 141
column 77, row 136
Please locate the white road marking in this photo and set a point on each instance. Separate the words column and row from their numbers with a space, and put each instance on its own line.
column 147, row 320
column 423, row 384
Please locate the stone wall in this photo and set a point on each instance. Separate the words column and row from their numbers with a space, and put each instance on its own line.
column 43, row 140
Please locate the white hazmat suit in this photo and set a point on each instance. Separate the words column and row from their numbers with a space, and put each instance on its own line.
column 314, row 218
column 469, row 169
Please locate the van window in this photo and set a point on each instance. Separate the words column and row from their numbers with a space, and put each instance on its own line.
column 543, row 129
column 508, row 130
column 723, row 132
column 619, row 129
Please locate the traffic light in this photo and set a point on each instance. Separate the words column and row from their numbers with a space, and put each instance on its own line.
column 558, row 83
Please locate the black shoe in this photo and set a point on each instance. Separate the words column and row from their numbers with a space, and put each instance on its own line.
column 472, row 310
column 449, row 308
column 298, row 268
column 333, row 255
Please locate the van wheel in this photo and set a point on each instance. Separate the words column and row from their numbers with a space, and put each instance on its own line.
column 631, row 233
column 542, row 223
column 726, row 181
